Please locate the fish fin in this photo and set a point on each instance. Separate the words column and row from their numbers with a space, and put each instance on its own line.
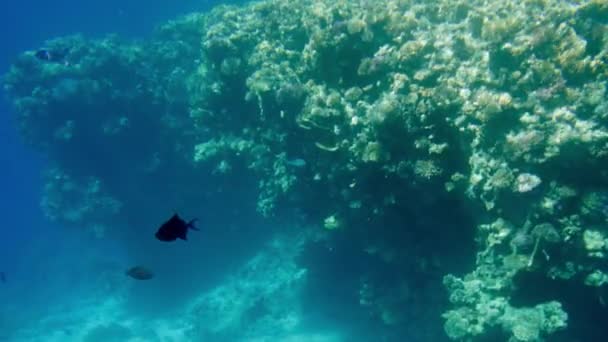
column 184, row 237
column 191, row 224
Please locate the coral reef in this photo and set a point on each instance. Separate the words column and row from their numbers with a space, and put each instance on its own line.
column 261, row 300
column 463, row 140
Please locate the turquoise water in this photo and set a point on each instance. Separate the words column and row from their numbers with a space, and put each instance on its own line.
column 394, row 170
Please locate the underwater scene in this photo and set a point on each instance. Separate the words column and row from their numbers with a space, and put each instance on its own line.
column 304, row 171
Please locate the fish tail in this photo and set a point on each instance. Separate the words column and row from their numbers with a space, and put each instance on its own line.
column 191, row 224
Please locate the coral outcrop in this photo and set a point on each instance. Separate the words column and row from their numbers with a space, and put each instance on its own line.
column 457, row 140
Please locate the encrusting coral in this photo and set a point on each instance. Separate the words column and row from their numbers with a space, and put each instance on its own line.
column 493, row 113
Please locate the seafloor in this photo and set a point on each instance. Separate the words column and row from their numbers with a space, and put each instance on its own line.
column 422, row 171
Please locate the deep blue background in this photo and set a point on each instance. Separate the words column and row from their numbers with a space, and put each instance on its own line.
column 25, row 25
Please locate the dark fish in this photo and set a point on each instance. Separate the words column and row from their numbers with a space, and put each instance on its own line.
column 140, row 273
column 175, row 228
column 53, row 56
column 2, row 277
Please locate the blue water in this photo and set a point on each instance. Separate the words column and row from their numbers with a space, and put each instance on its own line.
column 47, row 266
column 26, row 25
column 358, row 172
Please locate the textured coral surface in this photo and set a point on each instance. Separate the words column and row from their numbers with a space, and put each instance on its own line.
column 436, row 145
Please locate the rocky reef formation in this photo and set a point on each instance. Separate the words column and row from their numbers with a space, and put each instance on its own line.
column 455, row 142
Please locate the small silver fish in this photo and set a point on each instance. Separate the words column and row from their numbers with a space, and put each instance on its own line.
column 297, row 162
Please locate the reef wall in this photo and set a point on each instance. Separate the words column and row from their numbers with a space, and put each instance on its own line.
column 455, row 142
